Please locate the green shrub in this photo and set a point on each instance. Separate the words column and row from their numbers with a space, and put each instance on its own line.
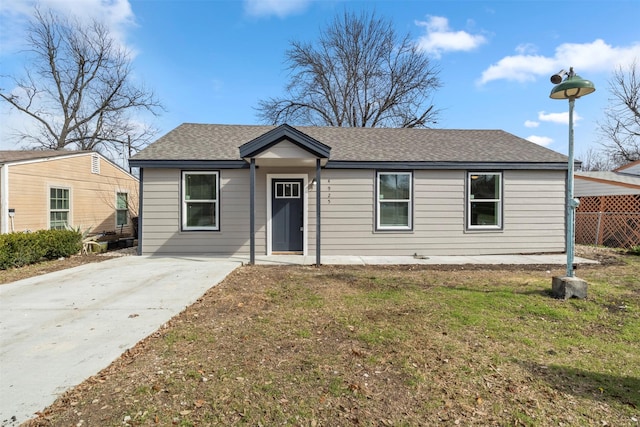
column 19, row 249
column 60, row 243
column 635, row 250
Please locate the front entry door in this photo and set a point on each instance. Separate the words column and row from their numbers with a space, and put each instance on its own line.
column 286, row 216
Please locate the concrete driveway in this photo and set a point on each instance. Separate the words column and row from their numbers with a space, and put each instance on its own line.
column 58, row 329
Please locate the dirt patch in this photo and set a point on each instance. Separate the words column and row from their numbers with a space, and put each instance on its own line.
column 601, row 254
column 15, row 274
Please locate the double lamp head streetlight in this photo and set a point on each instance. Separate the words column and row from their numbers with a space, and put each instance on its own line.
column 571, row 88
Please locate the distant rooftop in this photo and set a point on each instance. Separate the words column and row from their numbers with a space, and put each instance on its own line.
column 8, row 156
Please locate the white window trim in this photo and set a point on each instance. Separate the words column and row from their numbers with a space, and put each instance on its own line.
column 4, row 200
column 183, row 202
column 500, row 201
column 69, row 211
column 409, row 225
column 305, row 208
column 126, row 224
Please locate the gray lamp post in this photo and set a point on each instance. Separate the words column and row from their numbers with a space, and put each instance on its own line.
column 571, row 88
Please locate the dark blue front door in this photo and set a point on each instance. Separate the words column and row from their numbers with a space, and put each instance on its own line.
column 286, row 215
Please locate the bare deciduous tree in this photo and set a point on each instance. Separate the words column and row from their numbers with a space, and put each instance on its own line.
column 595, row 160
column 359, row 74
column 621, row 127
column 77, row 87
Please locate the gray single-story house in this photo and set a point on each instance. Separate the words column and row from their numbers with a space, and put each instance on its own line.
column 268, row 190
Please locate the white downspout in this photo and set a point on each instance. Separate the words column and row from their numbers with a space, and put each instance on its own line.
column 4, row 199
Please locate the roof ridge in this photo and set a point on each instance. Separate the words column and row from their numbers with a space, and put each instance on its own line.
column 209, row 141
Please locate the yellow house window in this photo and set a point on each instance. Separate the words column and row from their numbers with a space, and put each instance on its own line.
column 122, row 209
column 58, row 208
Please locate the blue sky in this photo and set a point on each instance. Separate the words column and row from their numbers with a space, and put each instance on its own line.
column 212, row 61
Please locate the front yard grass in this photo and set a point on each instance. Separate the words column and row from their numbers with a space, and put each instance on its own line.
column 376, row 346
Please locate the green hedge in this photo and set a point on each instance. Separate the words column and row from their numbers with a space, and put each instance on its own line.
column 18, row 249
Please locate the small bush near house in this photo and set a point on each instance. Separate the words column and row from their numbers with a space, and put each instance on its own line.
column 19, row 249
column 60, row 243
column 634, row 250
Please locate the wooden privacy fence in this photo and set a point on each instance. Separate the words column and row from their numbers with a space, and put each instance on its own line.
column 612, row 221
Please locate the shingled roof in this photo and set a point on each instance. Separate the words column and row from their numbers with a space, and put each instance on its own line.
column 203, row 142
column 10, row 156
column 612, row 177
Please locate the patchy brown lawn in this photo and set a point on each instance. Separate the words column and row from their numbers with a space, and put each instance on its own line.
column 392, row 345
column 14, row 274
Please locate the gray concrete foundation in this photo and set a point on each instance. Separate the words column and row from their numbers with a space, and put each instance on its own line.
column 565, row 287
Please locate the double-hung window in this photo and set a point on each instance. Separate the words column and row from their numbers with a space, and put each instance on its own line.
column 200, row 200
column 484, row 200
column 122, row 209
column 58, row 208
column 394, row 201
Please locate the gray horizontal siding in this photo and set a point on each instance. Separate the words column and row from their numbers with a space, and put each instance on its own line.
column 533, row 215
column 632, row 170
column 161, row 230
column 585, row 187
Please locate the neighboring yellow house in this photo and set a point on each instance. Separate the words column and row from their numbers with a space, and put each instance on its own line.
column 53, row 189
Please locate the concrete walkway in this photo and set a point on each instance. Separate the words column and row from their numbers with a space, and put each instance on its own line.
column 544, row 259
column 60, row 328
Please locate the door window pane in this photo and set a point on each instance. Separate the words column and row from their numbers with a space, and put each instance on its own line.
column 287, row 190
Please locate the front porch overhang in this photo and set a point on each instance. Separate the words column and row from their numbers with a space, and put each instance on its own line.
column 283, row 147
column 284, row 133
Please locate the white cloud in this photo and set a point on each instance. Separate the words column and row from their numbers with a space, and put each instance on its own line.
column 560, row 118
column 526, row 48
column 545, row 141
column 440, row 38
column 584, row 57
column 280, row 8
column 531, row 124
column 520, row 68
column 117, row 15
